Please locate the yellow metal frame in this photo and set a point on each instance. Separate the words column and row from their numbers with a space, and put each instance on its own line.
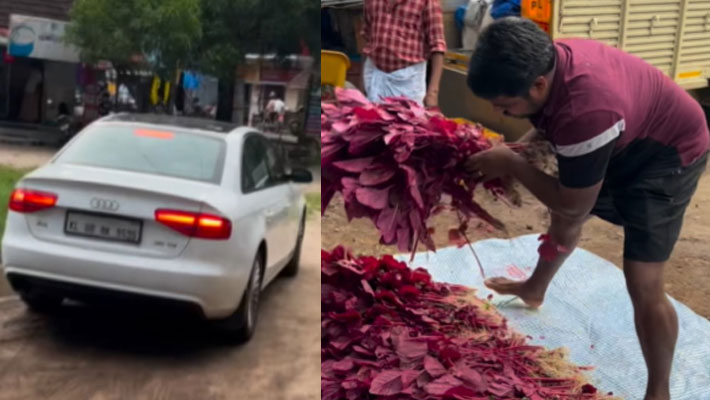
column 456, row 61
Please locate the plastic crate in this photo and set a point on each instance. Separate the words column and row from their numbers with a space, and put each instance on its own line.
column 334, row 67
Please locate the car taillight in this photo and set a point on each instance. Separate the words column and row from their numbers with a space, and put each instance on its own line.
column 203, row 226
column 28, row 201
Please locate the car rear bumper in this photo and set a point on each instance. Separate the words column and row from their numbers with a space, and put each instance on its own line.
column 214, row 288
column 28, row 283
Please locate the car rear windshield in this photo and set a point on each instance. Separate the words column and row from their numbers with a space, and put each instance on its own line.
column 149, row 149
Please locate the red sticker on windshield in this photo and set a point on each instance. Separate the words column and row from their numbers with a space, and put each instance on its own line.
column 154, row 134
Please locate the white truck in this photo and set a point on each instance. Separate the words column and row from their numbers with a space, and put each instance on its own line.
column 672, row 35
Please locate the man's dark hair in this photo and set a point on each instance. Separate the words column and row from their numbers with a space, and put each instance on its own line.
column 510, row 54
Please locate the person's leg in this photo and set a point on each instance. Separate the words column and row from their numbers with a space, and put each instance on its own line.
column 653, row 211
column 532, row 291
column 656, row 323
column 565, row 233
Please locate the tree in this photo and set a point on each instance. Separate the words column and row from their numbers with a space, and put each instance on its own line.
column 209, row 36
column 290, row 24
column 234, row 28
column 160, row 33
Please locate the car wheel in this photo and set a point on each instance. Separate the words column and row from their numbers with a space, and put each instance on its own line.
column 240, row 326
column 41, row 302
column 293, row 266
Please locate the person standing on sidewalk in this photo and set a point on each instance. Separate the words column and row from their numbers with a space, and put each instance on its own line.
column 400, row 37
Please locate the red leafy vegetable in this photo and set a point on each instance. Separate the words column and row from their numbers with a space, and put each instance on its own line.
column 394, row 162
column 387, row 383
column 549, row 249
column 391, row 333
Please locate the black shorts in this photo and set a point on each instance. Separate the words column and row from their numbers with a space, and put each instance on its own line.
column 651, row 210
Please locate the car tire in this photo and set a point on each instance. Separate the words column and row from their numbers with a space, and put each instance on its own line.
column 41, row 302
column 291, row 269
column 240, row 326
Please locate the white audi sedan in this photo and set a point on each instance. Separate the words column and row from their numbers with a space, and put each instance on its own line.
column 189, row 212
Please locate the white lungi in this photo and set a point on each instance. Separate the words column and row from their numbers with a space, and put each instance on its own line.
column 409, row 82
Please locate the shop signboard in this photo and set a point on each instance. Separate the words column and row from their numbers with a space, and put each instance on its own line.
column 40, row 38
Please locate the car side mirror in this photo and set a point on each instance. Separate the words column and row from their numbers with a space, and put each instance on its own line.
column 301, row 175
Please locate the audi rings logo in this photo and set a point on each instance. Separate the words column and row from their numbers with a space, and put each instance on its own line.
column 104, row 204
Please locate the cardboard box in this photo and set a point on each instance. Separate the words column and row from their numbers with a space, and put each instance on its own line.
column 359, row 38
column 457, row 101
column 451, row 31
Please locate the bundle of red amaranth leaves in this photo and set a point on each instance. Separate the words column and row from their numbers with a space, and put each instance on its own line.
column 389, row 332
column 394, row 161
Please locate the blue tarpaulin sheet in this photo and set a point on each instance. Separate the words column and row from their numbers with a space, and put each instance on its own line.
column 587, row 310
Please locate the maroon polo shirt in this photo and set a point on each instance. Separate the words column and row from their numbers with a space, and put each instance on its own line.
column 612, row 116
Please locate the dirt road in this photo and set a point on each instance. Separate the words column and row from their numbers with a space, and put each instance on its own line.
column 19, row 156
column 100, row 354
column 687, row 273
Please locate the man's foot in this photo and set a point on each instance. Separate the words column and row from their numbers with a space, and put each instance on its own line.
column 516, row 288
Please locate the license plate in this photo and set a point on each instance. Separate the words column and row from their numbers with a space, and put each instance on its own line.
column 101, row 227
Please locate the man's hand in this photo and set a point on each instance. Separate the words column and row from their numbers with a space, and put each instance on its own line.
column 492, row 163
column 431, row 99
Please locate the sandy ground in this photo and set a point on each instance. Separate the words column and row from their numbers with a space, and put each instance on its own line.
column 687, row 273
column 21, row 156
column 95, row 353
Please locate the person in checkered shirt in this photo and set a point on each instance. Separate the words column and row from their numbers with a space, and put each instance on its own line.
column 400, row 37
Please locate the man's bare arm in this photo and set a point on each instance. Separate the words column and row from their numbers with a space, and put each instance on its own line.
column 570, row 203
column 530, row 136
column 437, row 67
